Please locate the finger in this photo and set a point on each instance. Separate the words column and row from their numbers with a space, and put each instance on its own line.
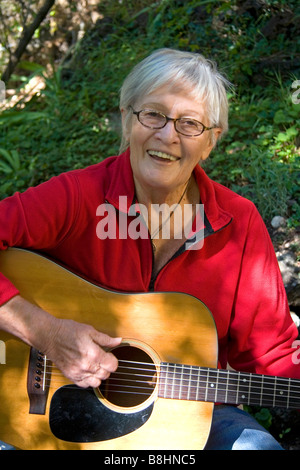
column 106, row 341
column 108, row 361
column 94, row 380
column 91, row 381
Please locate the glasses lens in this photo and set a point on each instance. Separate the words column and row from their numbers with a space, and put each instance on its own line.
column 189, row 126
column 152, row 119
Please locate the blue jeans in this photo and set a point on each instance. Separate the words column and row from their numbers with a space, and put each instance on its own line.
column 234, row 429
column 4, row 446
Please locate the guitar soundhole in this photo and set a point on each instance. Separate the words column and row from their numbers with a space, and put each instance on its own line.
column 134, row 380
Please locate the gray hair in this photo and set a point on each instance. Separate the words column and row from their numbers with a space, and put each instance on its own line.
column 180, row 70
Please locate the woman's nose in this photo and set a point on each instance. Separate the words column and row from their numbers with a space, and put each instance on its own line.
column 168, row 133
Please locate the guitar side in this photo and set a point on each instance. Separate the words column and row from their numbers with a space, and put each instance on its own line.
column 177, row 327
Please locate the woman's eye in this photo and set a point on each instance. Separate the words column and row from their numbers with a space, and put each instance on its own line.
column 189, row 123
column 153, row 114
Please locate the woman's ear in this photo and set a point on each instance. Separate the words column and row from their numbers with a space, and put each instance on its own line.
column 125, row 123
column 213, row 138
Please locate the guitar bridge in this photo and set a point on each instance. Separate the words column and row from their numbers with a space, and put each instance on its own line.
column 38, row 382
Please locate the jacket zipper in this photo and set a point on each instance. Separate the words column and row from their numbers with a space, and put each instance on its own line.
column 208, row 230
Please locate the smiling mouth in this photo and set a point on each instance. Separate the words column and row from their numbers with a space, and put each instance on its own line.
column 162, row 155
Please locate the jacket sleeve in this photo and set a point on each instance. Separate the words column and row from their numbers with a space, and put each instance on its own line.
column 262, row 332
column 38, row 219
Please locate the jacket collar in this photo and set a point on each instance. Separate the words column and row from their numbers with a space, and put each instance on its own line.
column 216, row 217
column 120, row 192
column 121, row 183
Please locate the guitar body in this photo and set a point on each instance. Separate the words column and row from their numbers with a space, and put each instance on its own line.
column 168, row 327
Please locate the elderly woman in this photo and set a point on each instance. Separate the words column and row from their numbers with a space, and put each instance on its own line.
column 174, row 110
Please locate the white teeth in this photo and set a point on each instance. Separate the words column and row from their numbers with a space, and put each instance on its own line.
column 166, row 156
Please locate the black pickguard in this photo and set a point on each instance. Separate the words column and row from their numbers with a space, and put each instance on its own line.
column 77, row 415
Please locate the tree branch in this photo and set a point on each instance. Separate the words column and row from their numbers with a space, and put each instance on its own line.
column 26, row 38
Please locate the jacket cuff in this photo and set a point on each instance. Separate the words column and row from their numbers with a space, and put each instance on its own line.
column 7, row 290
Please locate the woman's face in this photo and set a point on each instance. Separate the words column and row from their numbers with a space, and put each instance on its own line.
column 163, row 159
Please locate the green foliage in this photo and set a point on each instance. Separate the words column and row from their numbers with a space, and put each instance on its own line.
column 9, row 162
column 259, row 158
column 262, row 415
column 74, row 120
column 267, row 418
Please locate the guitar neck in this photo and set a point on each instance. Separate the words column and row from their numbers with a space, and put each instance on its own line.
column 186, row 382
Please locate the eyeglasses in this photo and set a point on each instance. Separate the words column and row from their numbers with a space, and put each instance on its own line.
column 157, row 120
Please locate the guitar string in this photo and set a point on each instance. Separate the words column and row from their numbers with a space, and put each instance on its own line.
column 235, row 375
column 196, row 386
column 192, row 395
column 195, row 373
column 199, row 385
column 191, row 381
column 217, row 396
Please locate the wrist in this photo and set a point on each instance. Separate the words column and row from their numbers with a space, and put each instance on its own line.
column 28, row 322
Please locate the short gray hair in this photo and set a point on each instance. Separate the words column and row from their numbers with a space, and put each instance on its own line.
column 178, row 69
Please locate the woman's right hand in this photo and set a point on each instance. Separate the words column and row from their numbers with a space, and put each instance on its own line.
column 78, row 350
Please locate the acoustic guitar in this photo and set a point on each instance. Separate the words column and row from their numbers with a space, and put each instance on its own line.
column 163, row 392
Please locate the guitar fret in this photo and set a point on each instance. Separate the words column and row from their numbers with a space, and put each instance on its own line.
column 268, row 391
column 237, row 389
column 261, row 390
column 274, row 396
column 183, row 394
column 223, row 387
column 284, row 392
column 189, row 386
column 206, row 389
column 176, row 381
column 289, row 387
column 186, row 382
column 163, row 380
column 192, row 383
column 245, row 388
column 178, row 378
column 173, row 384
column 250, row 378
column 226, row 388
column 281, row 392
column 216, row 385
column 199, row 388
column 212, row 375
column 198, row 384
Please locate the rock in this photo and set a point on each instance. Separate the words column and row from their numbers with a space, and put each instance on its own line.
column 296, row 319
column 286, row 242
column 290, row 271
column 278, row 221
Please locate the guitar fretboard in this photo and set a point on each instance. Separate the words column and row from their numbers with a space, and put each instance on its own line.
column 186, row 382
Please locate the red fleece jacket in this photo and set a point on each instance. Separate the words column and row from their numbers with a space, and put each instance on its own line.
column 235, row 273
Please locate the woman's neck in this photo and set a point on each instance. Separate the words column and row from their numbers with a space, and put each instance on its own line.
column 148, row 196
